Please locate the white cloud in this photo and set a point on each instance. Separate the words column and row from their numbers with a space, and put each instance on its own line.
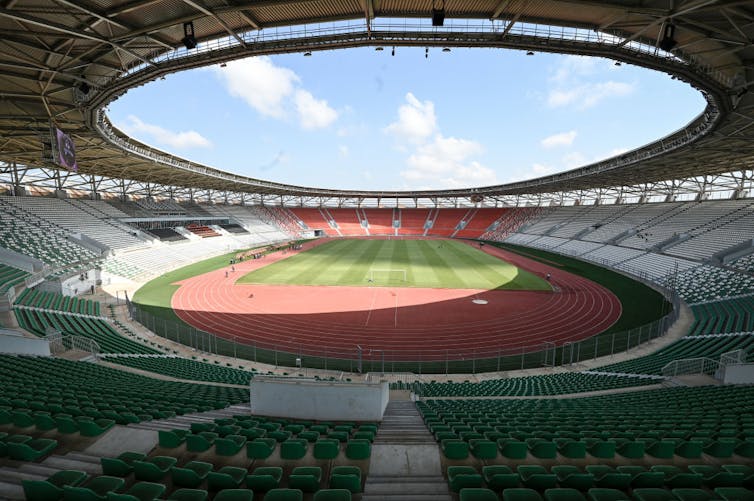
column 178, row 140
column 575, row 82
column 416, row 120
column 313, row 113
column 344, row 151
column 561, row 139
column 260, row 83
column 275, row 91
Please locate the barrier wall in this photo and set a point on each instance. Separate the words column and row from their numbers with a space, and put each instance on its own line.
column 15, row 343
column 739, row 374
column 305, row 398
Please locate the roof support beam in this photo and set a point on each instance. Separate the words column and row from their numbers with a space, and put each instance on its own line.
column 207, row 12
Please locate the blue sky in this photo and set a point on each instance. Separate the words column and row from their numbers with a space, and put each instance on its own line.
column 363, row 119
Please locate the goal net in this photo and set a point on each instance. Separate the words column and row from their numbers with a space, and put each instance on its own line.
column 386, row 275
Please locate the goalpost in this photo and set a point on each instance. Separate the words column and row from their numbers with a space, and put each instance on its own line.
column 387, row 275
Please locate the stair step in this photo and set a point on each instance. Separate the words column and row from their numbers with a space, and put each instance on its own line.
column 62, row 463
column 14, row 476
column 38, row 469
column 83, row 457
column 11, row 491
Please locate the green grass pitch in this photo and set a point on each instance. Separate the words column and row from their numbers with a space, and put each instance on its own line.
column 427, row 263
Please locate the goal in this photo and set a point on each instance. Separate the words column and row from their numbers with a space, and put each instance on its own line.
column 386, row 275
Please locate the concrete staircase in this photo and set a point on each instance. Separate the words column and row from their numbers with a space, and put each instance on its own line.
column 184, row 422
column 14, row 472
column 405, row 464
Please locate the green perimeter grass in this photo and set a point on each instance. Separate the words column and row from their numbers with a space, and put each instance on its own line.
column 427, row 263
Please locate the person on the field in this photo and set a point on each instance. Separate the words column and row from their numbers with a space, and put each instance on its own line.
column 548, row 277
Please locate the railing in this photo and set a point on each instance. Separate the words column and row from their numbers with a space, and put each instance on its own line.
column 689, row 366
column 60, row 344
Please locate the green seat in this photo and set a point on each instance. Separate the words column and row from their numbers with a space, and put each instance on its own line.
column 535, row 476
column 563, row 494
column 189, row 495
column 521, row 494
column 713, row 478
column 95, row 427
column 463, row 476
column 358, row 449
column 96, row 490
column 264, row 478
column 140, row 491
column 632, row 449
column 734, row 494
column 603, row 449
column 326, row 448
column 512, row 449
column 332, row 495
column 122, row 466
column 308, row 435
column 483, row 449
column 641, row 478
column 346, row 477
column 691, row 449
column 543, row 449
column 721, row 448
column 602, row 494
column 66, row 424
column 192, row 474
column 692, row 494
column 22, row 418
column 573, row 449
column 153, row 469
column 234, row 495
column 279, row 435
column 499, row 477
column 454, row 448
column 284, row 495
column 663, row 449
column 230, row 445
column 477, row 494
column 652, row 494
column 572, row 477
column 341, row 436
column 260, row 448
column 200, row 442
column 607, row 478
column 43, row 421
column 32, row 450
column 293, row 448
column 227, row 477
column 305, row 478
column 171, row 439
column 52, row 488
column 745, row 449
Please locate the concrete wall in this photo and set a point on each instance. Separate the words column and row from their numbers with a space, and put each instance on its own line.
column 304, row 398
column 739, row 374
column 15, row 343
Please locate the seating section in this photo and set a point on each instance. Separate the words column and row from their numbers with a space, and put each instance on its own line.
column 55, row 393
column 314, row 219
column 234, row 228
column 80, row 217
column 166, row 234
column 381, row 221
column 478, row 222
column 50, row 301
column 10, row 277
column 27, row 234
column 348, row 221
column 445, row 221
column 745, row 263
column 108, row 339
column 413, row 221
column 719, row 317
column 161, row 207
column 550, row 384
column 687, row 347
column 202, row 231
column 661, row 424
column 184, row 368
column 709, row 283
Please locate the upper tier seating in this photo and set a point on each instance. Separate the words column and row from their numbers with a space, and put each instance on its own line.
column 167, row 234
column 202, row 231
column 479, row 221
column 348, row 221
column 707, row 283
column 315, row 219
column 81, row 217
column 27, row 234
column 745, row 263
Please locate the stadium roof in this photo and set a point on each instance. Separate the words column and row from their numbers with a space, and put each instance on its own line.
column 62, row 61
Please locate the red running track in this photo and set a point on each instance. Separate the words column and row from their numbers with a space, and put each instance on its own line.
column 407, row 323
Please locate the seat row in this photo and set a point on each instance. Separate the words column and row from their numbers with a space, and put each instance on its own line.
column 87, row 426
column 499, row 477
column 599, row 494
column 24, row 447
